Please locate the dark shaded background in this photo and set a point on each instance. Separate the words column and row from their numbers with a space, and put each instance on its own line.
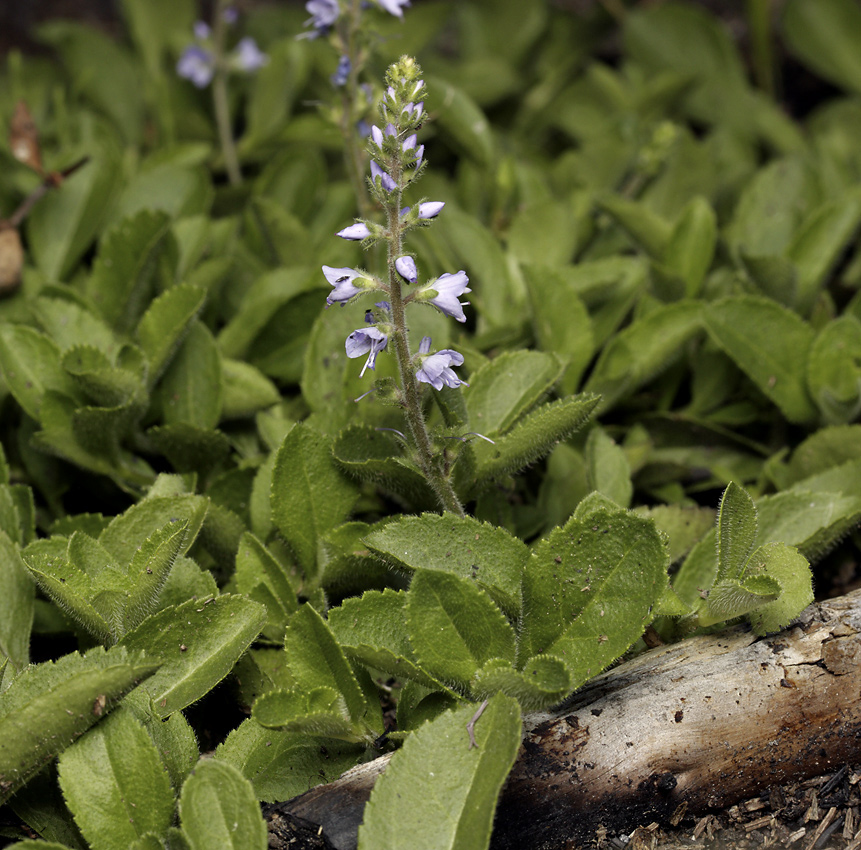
column 18, row 18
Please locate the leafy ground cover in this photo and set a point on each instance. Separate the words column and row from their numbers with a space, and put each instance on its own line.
column 222, row 536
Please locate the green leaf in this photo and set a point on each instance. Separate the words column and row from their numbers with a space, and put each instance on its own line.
column 372, row 630
column 691, row 245
column 31, row 365
column 811, row 521
column 686, row 40
column 825, row 33
column 788, row 568
column 49, row 705
column 770, row 345
column 347, row 566
column 820, row 242
column 198, row 643
column 474, row 246
column 310, row 495
column 190, row 448
column 98, row 379
column 282, row 765
column 218, row 808
column 62, row 225
column 462, row 120
column 128, row 531
column 504, row 389
column 245, row 390
column 548, row 232
column 379, row 457
column 318, row 712
column 808, row 520
column 736, row 532
column 101, row 69
column 642, row 350
column 651, row 232
column 561, row 323
column 41, row 806
column 826, row 448
column 589, row 589
column 149, row 570
column 833, row 373
column 543, row 682
column 684, row 526
column 532, row 438
column 17, row 600
column 190, row 390
column 165, row 323
column 276, row 87
column 438, row 793
column 72, row 590
column 730, row 599
column 608, row 468
column 317, row 661
column 181, row 190
column 115, row 783
column 124, row 273
column 460, row 546
column 174, row 738
column 776, row 277
column 255, row 566
column 153, row 25
column 455, row 627
column 78, row 435
column 68, row 323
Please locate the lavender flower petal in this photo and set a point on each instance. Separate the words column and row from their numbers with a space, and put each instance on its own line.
column 393, row 7
column 248, row 56
column 389, row 185
column 436, row 369
column 370, row 341
column 431, row 209
column 342, row 280
column 406, row 268
column 196, row 65
column 355, row 232
column 449, row 287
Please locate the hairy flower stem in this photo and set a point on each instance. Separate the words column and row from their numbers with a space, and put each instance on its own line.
column 431, row 463
column 353, row 157
column 219, row 96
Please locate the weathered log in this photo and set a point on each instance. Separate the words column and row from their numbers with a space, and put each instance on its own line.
column 700, row 724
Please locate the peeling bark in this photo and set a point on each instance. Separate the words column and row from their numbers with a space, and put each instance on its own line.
column 689, row 727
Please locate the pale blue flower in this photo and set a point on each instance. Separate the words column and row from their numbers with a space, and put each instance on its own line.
column 393, row 7
column 436, row 368
column 248, row 56
column 197, row 65
column 342, row 280
column 230, row 15
column 406, row 268
column 415, row 110
column 355, row 232
column 201, row 30
column 431, row 209
column 370, row 341
column 388, row 184
column 342, row 72
column 323, row 13
column 448, row 288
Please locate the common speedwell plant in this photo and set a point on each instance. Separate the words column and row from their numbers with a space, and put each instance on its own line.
column 190, row 492
column 397, row 161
